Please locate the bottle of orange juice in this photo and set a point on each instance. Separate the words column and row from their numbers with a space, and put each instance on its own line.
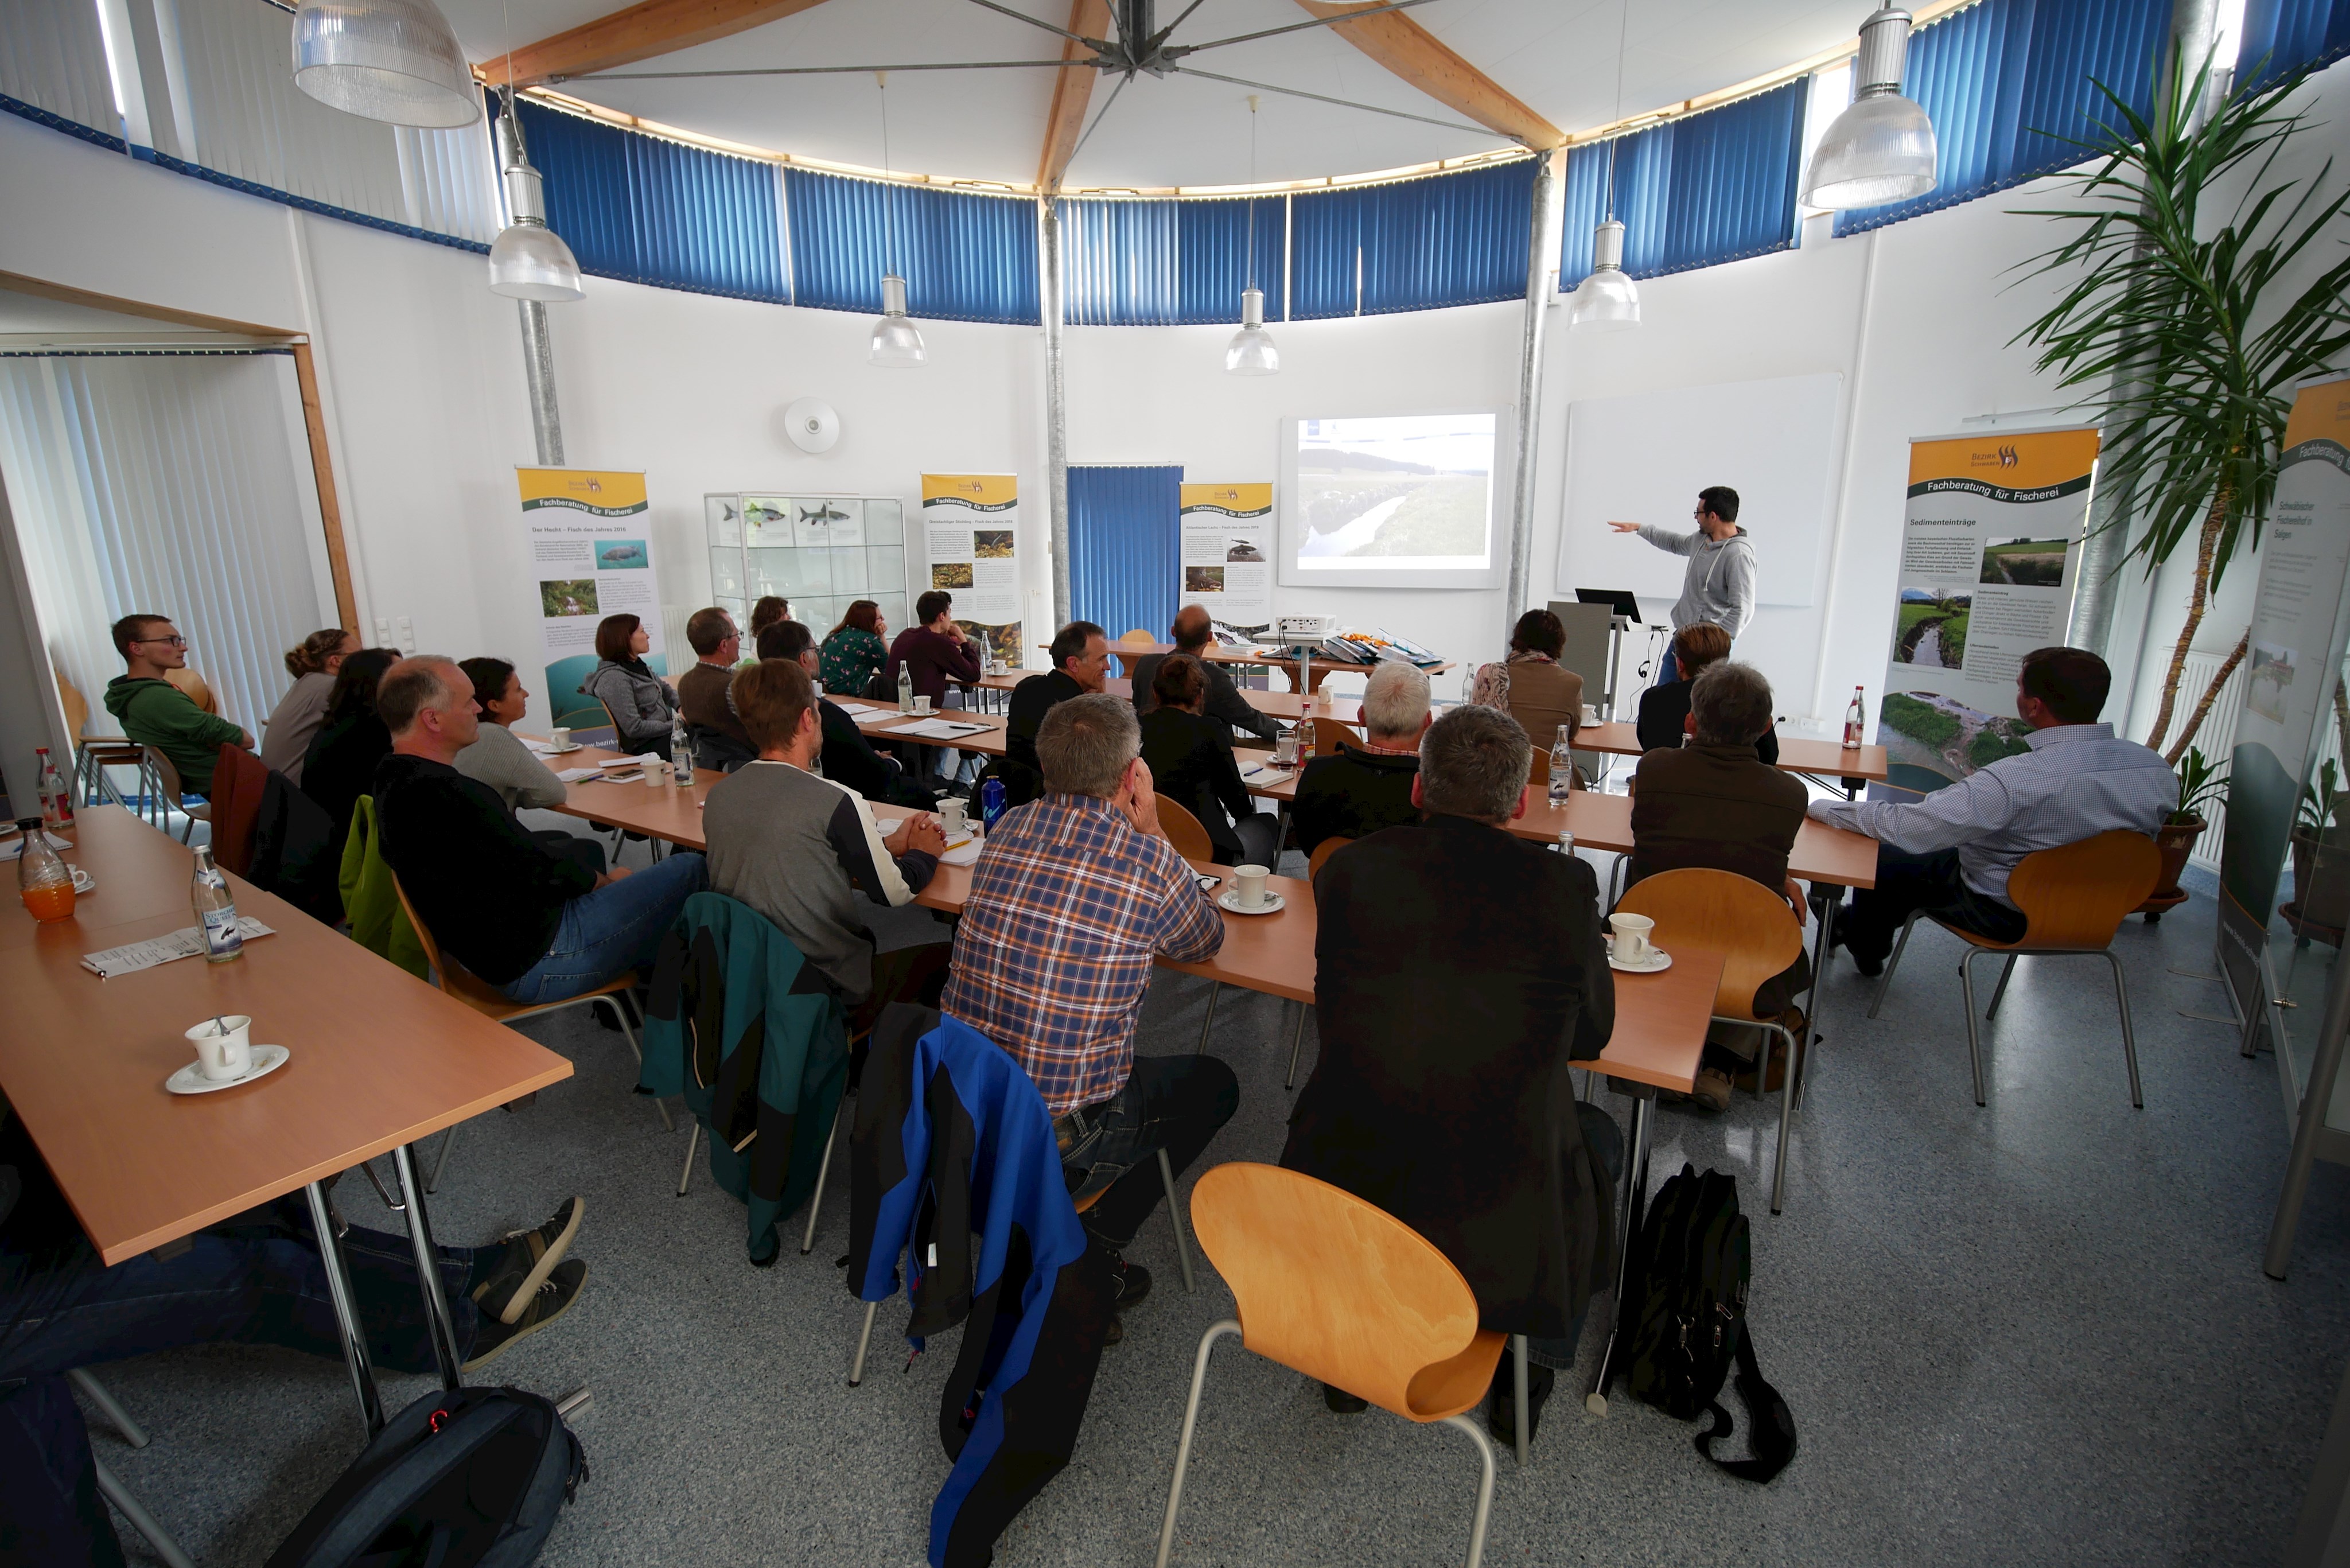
column 41, row 877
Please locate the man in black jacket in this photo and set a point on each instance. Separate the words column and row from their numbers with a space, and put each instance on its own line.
column 538, row 926
column 1356, row 791
column 1080, row 655
column 1459, row 971
column 848, row 757
column 1193, row 630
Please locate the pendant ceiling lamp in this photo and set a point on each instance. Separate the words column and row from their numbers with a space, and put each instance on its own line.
column 393, row 60
column 527, row 260
column 897, row 341
column 1882, row 148
column 1251, row 352
column 1607, row 300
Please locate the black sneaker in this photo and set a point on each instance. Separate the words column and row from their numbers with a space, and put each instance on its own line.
column 509, row 1316
column 1341, row 1403
column 533, row 1253
column 1133, row 1284
column 1502, row 1404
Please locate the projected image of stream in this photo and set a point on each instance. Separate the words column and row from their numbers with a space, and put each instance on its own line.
column 1354, row 536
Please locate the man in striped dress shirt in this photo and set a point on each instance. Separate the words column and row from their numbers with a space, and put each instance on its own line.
column 1949, row 854
column 1074, row 896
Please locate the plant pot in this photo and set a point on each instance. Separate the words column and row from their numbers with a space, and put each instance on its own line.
column 2175, row 842
column 2321, row 877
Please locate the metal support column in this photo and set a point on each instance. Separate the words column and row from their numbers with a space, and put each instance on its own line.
column 525, row 203
column 1542, row 277
column 1056, row 410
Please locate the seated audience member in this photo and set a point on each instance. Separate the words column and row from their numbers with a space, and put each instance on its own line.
column 154, row 712
column 1713, row 803
column 1193, row 630
column 769, row 609
column 498, row 758
column 849, row 758
column 1073, row 898
column 1948, row 855
column 1358, row 790
column 1459, row 973
column 641, row 704
column 286, row 738
column 943, row 662
column 1191, row 760
column 343, row 755
column 1665, row 707
column 800, row 848
column 1080, row 656
column 254, row 1278
column 720, row 742
column 855, row 651
column 539, row 927
column 1530, row 685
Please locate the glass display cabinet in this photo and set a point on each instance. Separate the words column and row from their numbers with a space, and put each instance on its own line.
column 823, row 553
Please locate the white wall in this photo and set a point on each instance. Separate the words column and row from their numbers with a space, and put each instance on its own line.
column 427, row 412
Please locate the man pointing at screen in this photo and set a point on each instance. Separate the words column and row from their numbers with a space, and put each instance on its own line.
column 1718, row 585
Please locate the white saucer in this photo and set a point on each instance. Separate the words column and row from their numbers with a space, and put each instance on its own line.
column 562, row 751
column 190, row 1079
column 1665, row 961
column 1230, row 900
column 84, row 883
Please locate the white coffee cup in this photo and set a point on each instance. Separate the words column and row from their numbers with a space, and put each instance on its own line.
column 1632, row 938
column 921, row 704
column 558, row 739
column 1250, row 880
column 656, row 773
column 223, row 1056
column 951, row 815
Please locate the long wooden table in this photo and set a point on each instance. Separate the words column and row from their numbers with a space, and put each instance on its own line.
column 379, row 1060
column 1821, row 759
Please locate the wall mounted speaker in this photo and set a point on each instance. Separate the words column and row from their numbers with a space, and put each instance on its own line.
column 812, row 424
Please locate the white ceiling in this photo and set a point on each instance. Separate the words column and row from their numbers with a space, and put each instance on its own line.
column 1559, row 56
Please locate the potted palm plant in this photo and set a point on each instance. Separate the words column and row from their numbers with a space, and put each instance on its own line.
column 2200, row 783
column 2172, row 325
column 2321, row 858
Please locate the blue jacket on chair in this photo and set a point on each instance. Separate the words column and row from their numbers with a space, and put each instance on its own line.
column 952, row 1139
column 747, row 1030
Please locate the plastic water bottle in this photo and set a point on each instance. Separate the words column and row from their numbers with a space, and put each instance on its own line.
column 1562, row 765
column 57, row 799
column 1566, row 842
column 680, row 750
column 1467, row 683
column 215, row 910
column 991, row 804
column 1855, row 721
column 905, row 689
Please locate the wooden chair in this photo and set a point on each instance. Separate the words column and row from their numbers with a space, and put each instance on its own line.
column 1758, row 935
column 169, row 796
column 2074, row 898
column 494, row 1004
column 1330, row 737
column 195, row 685
column 1327, row 1285
column 1185, row 832
column 1139, row 634
column 1322, row 853
column 93, row 754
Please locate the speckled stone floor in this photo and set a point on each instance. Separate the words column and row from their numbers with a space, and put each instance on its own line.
column 2033, row 1333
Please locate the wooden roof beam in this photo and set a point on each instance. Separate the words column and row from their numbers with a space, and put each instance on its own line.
column 642, row 32
column 1072, row 90
column 1413, row 53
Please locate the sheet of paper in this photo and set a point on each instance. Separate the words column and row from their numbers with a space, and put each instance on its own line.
column 573, row 775
column 16, row 845
column 941, row 728
column 867, row 718
column 965, row 854
column 187, row 942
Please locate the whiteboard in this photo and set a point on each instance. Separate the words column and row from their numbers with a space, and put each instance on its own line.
column 1643, row 458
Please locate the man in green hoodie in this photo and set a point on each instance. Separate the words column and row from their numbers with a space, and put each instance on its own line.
column 154, row 712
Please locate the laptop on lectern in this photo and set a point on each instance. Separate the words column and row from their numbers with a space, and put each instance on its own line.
column 1621, row 601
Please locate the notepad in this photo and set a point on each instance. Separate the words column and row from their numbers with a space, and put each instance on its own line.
column 573, row 775
column 940, row 729
column 186, row 943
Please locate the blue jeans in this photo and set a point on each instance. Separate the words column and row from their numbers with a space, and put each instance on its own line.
column 1174, row 1103
column 604, row 934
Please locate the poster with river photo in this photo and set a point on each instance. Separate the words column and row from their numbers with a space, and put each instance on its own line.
column 1989, row 542
column 971, row 547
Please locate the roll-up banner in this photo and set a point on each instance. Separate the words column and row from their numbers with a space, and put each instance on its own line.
column 2301, row 623
column 1228, row 552
column 1989, row 543
column 592, row 556
column 971, row 540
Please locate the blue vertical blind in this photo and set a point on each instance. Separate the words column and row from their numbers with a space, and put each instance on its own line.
column 2011, row 88
column 648, row 210
column 965, row 257
column 1415, row 245
column 1711, row 188
column 1169, row 263
column 1124, row 558
column 2282, row 36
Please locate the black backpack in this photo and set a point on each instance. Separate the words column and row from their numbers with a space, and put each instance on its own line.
column 1689, row 1298
column 473, row 1477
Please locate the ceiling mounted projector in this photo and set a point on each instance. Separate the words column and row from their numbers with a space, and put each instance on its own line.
column 812, row 424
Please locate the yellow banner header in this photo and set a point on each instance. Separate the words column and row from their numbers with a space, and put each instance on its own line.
column 2033, row 461
column 1234, row 500
column 2320, row 414
column 602, row 492
column 990, row 490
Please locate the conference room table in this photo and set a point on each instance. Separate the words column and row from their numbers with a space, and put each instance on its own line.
column 378, row 1060
column 1286, row 706
column 1818, row 759
column 1288, row 663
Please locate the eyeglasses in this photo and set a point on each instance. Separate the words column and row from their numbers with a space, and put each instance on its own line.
column 173, row 641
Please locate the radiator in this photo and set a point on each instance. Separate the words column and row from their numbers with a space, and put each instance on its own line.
column 2216, row 737
column 679, row 652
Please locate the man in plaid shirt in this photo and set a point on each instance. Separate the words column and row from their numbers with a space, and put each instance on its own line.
column 1073, row 898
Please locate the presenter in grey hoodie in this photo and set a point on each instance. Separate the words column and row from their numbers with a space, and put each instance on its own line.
column 1718, row 584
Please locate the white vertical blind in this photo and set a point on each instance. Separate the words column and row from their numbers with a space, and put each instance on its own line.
column 53, row 57
column 167, row 486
